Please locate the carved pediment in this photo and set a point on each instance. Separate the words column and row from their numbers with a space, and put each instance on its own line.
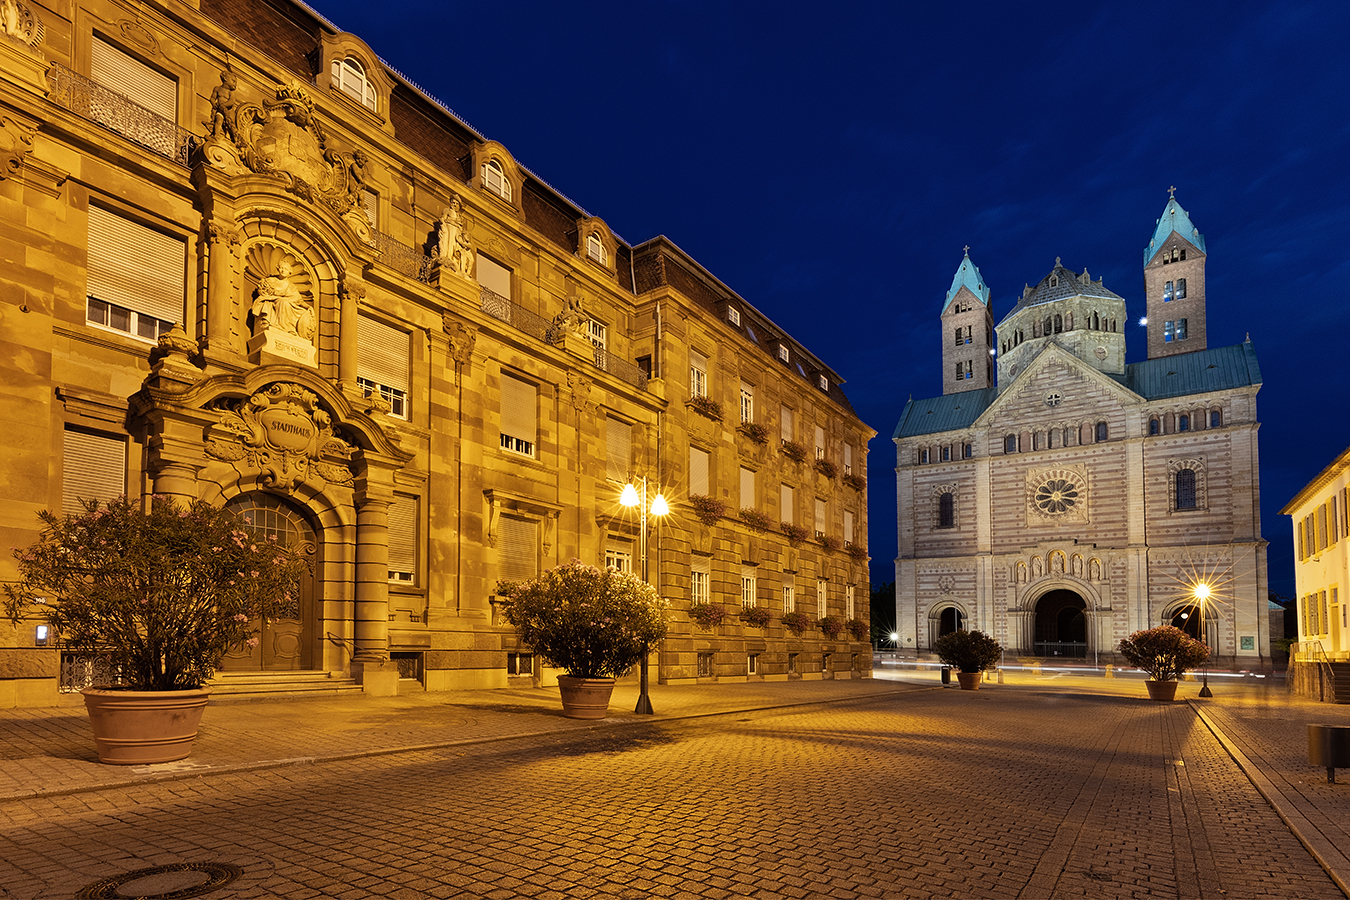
column 282, row 432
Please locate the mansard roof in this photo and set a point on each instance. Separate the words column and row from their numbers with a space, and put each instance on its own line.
column 1174, row 218
column 1201, row 372
column 967, row 276
column 1059, row 284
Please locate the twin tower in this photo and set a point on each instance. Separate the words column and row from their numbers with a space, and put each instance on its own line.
column 1077, row 313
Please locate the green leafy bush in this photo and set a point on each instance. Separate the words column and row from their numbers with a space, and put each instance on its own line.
column 707, row 509
column 968, row 651
column 858, row 628
column 1165, row 653
column 831, row 626
column 707, row 615
column 797, row 622
column 755, row 616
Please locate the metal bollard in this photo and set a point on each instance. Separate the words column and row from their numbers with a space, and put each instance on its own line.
column 946, row 674
column 1329, row 745
column 1110, row 671
column 1000, row 674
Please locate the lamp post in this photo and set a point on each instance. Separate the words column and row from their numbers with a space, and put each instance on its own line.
column 1202, row 592
column 659, row 507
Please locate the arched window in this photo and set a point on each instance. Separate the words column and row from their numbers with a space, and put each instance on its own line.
column 1068, row 322
column 1153, row 426
column 1215, row 418
column 923, row 456
column 1101, row 432
column 1180, row 292
column 1010, row 444
column 1045, row 327
column 350, row 77
column 1059, row 323
column 947, row 510
column 1096, row 322
column 495, row 180
column 1185, row 486
column 1167, row 292
column 946, row 454
column 595, row 248
column 1184, row 423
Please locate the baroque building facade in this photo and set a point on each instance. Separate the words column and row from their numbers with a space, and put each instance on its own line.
column 1078, row 498
column 248, row 262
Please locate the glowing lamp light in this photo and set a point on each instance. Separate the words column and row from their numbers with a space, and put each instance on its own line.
column 895, row 637
column 659, row 506
column 1202, row 591
column 1143, row 320
column 629, row 497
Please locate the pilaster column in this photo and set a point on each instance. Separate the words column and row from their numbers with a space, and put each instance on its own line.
column 352, row 293
column 372, row 579
column 178, row 481
column 222, row 239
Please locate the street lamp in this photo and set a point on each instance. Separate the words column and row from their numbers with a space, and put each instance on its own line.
column 658, row 507
column 1202, row 592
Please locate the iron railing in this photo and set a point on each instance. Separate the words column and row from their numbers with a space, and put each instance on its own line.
column 400, row 257
column 1313, row 652
column 82, row 670
column 531, row 323
column 620, row 368
column 91, row 100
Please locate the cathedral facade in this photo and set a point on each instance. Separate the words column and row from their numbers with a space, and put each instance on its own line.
column 1073, row 498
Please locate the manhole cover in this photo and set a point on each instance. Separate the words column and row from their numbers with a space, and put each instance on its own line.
column 176, row 882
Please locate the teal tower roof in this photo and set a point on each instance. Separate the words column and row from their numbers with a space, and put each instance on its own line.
column 1174, row 218
column 969, row 276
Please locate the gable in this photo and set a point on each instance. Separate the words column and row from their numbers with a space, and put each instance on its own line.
column 1080, row 393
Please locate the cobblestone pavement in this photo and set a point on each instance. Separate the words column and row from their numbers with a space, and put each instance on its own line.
column 1013, row 791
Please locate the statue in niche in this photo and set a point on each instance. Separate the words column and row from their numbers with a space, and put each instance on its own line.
column 223, row 106
column 454, row 248
column 357, row 172
column 573, row 318
column 279, row 304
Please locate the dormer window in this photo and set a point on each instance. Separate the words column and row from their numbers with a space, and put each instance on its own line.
column 1054, row 281
column 733, row 315
column 823, row 383
column 495, row 180
column 783, row 353
column 350, row 77
column 595, row 249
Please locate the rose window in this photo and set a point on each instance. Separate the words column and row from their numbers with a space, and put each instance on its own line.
column 1056, row 496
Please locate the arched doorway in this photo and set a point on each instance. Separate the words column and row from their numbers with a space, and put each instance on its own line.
column 1187, row 618
column 950, row 620
column 1061, row 625
column 283, row 644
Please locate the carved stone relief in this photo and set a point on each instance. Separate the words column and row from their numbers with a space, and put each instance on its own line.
column 1057, row 495
column 454, row 248
column 284, row 320
column 283, row 434
column 462, row 340
column 19, row 23
column 16, row 142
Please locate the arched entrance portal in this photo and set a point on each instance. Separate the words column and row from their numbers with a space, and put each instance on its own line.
column 1187, row 618
column 282, row 643
column 950, row 620
column 1061, row 625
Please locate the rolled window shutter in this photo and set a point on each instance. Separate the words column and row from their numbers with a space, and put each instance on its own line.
column 518, row 541
column 518, row 408
column 848, row 527
column 494, row 277
column 820, row 516
column 370, row 204
column 747, row 489
column 787, row 505
column 133, row 79
column 382, row 353
column 95, row 468
column 785, row 424
column 403, row 535
column 619, row 446
column 136, row 267
column 698, row 471
column 698, row 361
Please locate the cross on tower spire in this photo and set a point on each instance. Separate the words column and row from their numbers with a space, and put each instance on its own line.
column 967, row 249
column 1172, row 192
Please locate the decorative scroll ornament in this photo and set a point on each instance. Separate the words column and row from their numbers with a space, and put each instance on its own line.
column 19, row 23
column 1058, row 495
column 16, row 142
column 282, row 432
column 281, row 137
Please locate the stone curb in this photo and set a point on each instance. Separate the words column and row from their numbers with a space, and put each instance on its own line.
column 186, row 774
column 1332, row 860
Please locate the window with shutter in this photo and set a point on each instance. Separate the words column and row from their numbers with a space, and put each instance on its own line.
column 136, row 276
column 822, row 596
column 518, row 415
column 403, row 540
column 848, row 459
column 698, row 471
column 747, row 403
column 747, row 489
column 698, row 374
column 820, row 518
column 494, row 276
column 820, row 442
column 785, row 423
column 382, row 363
column 94, row 467
column 848, row 527
column 518, row 544
column 749, row 595
column 787, row 505
column 850, row 607
column 619, row 554
column 619, row 442
column 370, row 204
column 700, row 577
column 133, row 79
column 789, row 594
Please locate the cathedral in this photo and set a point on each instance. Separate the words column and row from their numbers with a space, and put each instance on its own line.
column 1059, row 498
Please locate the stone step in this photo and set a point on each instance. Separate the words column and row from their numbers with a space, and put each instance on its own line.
column 280, row 685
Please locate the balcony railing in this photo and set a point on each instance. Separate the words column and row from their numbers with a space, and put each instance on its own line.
column 620, row 368
column 531, row 323
column 411, row 261
column 94, row 102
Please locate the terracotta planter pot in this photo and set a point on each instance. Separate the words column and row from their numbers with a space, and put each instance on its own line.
column 585, row 698
column 136, row 728
column 970, row 681
column 1164, row 691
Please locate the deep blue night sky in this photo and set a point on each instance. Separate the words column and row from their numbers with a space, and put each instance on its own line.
column 830, row 162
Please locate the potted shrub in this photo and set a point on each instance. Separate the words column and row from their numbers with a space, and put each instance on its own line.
column 970, row 653
column 707, row 509
column 794, row 533
column 755, row 616
column 165, row 593
column 858, row 628
column 831, row 626
column 707, row 615
column 1165, row 653
column 594, row 624
column 796, row 622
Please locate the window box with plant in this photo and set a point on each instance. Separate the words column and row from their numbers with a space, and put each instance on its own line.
column 831, row 626
column 756, row 520
column 755, row 432
column 797, row 622
column 707, row 615
column 831, row 543
column 707, row 509
column 970, row 653
column 755, row 616
column 827, row 468
column 857, row 553
column 705, row 406
column 1165, row 653
column 794, row 533
column 794, row 451
column 857, row 482
column 858, row 628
